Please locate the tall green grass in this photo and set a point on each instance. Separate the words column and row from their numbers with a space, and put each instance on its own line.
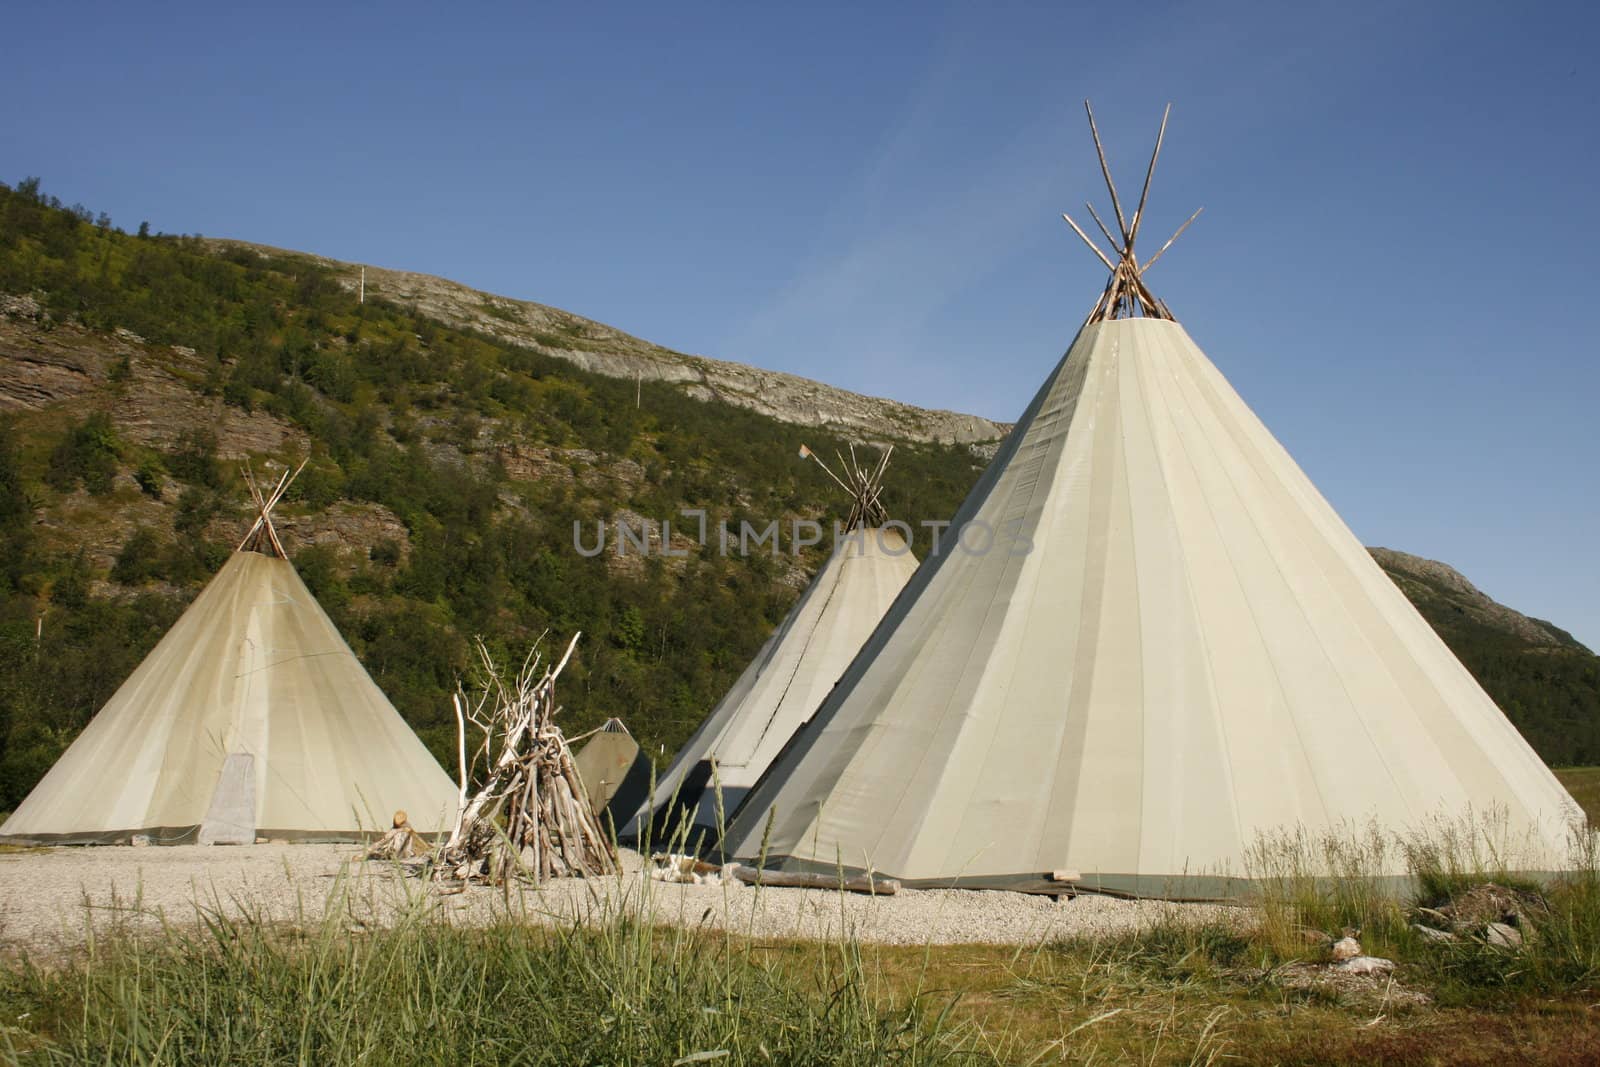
column 612, row 990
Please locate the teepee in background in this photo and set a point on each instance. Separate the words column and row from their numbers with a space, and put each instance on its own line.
column 797, row 666
column 616, row 775
column 1172, row 648
column 250, row 717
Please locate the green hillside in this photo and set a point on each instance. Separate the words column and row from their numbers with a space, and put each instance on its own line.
column 472, row 458
column 448, row 468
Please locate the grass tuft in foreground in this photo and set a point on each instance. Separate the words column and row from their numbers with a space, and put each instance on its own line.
column 424, row 992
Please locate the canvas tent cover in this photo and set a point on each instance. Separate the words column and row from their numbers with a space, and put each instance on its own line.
column 1190, row 650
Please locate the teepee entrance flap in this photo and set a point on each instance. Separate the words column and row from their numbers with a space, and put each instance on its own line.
column 231, row 817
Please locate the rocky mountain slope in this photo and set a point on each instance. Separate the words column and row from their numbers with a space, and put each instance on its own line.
column 596, row 347
column 1457, row 602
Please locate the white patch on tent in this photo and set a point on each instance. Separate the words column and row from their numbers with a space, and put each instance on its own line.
column 231, row 818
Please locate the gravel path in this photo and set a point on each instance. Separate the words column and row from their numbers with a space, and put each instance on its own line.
column 51, row 899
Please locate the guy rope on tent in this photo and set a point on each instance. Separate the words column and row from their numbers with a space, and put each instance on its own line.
column 864, row 484
column 1126, row 295
column 262, row 537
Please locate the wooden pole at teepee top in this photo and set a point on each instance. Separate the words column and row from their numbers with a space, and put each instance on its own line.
column 1163, row 249
column 263, row 527
column 1125, row 294
column 864, row 487
column 1138, row 212
column 1092, row 246
column 1105, row 169
column 1098, row 221
column 806, row 453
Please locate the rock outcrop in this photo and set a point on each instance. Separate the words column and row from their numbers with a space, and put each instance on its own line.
column 1418, row 578
column 602, row 349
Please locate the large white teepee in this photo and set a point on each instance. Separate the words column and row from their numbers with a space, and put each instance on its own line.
column 251, row 716
column 796, row 667
column 1173, row 648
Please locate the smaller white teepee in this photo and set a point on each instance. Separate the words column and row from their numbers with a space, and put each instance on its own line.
column 250, row 717
column 796, row 668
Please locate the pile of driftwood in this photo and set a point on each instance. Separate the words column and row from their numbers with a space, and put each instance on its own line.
column 530, row 819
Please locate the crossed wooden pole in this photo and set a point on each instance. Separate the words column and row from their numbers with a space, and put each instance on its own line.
column 1126, row 294
column 864, row 484
column 265, row 502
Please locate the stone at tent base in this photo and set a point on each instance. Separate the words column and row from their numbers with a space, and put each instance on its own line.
column 1502, row 936
column 1488, row 902
column 1365, row 965
column 1346, row 948
column 139, row 840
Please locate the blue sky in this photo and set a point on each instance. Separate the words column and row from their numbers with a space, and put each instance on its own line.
column 1395, row 266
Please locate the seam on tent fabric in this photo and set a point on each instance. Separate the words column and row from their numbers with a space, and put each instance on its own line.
column 1249, row 606
column 1071, row 471
column 1002, row 464
column 918, row 821
column 1062, row 421
column 1088, row 630
column 1219, row 716
column 1245, row 447
column 777, row 775
column 990, row 613
column 1424, row 635
column 800, row 659
column 1148, row 392
column 1134, row 353
column 1063, row 416
column 1244, row 441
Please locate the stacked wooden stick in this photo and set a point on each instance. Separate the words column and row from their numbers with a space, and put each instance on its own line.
column 531, row 818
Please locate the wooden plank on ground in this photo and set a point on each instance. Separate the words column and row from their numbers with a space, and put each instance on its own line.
column 853, row 883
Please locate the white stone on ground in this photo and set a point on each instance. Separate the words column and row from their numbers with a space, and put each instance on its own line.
column 1365, row 965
